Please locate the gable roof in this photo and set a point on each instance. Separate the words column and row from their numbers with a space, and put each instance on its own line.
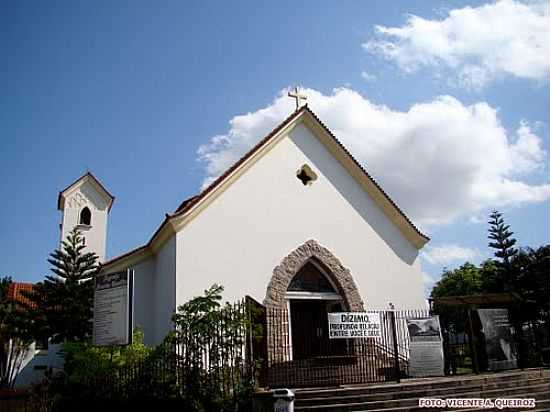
column 85, row 177
column 191, row 206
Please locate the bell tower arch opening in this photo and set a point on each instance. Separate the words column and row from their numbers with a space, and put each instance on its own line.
column 85, row 217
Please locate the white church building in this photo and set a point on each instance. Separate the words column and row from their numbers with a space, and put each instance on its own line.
column 295, row 220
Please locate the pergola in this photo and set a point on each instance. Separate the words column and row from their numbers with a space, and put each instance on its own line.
column 472, row 302
column 485, row 299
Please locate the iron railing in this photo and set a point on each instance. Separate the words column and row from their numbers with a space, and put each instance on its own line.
column 308, row 357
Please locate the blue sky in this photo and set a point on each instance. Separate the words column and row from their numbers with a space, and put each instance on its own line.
column 449, row 115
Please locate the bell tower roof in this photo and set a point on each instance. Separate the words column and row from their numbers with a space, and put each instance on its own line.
column 91, row 179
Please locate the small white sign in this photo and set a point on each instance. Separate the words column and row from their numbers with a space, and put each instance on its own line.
column 426, row 347
column 352, row 325
column 113, row 309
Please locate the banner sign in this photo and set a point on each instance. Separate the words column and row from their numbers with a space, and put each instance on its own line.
column 426, row 347
column 350, row 325
column 113, row 309
column 497, row 331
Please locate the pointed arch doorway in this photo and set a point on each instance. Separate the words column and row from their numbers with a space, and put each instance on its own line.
column 311, row 295
column 307, row 284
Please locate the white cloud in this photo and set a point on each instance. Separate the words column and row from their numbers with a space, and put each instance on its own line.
column 438, row 160
column 445, row 254
column 369, row 77
column 506, row 37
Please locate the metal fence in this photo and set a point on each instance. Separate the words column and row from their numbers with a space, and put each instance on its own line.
column 216, row 351
column 14, row 401
column 204, row 364
column 300, row 352
column 464, row 344
column 247, row 344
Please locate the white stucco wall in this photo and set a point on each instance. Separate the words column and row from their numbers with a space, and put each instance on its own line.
column 144, row 316
column 96, row 234
column 36, row 362
column 268, row 212
column 164, row 289
column 155, row 292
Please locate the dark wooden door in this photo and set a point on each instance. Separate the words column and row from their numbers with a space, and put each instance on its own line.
column 309, row 328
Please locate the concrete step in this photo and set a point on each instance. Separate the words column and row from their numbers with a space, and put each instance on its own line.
column 420, row 392
column 415, row 384
column 542, row 405
column 412, row 403
column 542, row 402
column 542, row 399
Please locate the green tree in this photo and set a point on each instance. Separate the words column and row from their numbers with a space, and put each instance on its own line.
column 5, row 283
column 15, row 336
column 89, row 374
column 84, row 361
column 62, row 305
column 468, row 279
column 539, row 274
column 502, row 241
column 206, row 328
column 465, row 280
column 532, row 269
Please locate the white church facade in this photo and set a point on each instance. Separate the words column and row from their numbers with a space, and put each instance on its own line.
column 296, row 219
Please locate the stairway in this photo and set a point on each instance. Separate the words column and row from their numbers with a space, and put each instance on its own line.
column 531, row 383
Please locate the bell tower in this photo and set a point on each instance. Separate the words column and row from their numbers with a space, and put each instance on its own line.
column 85, row 204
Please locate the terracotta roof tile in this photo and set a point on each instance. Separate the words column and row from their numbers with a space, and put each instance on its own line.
column 14, row 293
column 187, row 204
column 247, row 155
column 191, row 201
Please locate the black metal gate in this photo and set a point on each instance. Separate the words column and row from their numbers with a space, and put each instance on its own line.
column 465, row 347
column 297, row 350
column 293, row 348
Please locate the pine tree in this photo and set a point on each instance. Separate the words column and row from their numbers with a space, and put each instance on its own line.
column 62, row 305
column 500, row 239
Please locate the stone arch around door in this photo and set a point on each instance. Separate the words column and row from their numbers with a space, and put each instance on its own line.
column 291, row 264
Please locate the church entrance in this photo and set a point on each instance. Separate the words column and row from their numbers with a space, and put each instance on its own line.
column 297, row 351
column 309, row 329
column 295, row 348
column 311, row 296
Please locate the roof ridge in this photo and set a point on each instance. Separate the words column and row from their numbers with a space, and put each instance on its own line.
column 87, row 174
column 188, row 203
column 236, row 164
column 185, row 202
column 368, row 175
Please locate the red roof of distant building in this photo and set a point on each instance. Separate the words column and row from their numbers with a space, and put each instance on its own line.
column 14, row 292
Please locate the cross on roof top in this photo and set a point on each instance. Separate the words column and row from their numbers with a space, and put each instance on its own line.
column 295, row 94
